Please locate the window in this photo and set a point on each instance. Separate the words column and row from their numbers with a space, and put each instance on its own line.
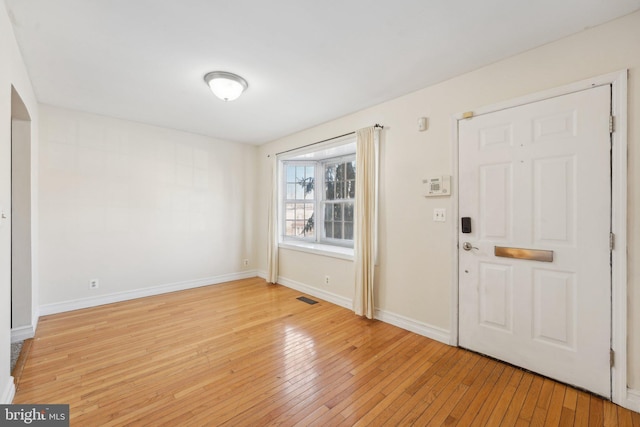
column 319, row 197
column 338, row 199
column 299, row 203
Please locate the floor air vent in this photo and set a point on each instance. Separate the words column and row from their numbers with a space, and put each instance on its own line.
column 307, row 300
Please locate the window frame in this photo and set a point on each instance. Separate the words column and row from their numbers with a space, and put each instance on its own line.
column 319, row 158
column 323, row 201
column 283, row 200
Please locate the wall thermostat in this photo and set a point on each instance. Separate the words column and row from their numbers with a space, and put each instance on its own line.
column 438, row 186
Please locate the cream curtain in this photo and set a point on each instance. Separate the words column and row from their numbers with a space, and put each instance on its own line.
column 272, row 237
column 366, row 222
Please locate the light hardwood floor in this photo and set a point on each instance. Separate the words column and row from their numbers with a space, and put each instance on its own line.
column 246, row 353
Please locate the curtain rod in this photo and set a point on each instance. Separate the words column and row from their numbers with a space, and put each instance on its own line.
column 324, row 140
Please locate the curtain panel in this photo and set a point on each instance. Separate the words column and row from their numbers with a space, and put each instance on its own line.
column 366, row 221
column 272, row 232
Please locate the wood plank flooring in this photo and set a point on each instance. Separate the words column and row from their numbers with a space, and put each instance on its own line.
column 246, row 353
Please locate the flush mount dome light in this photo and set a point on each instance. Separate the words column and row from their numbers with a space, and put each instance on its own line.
column 226, row 86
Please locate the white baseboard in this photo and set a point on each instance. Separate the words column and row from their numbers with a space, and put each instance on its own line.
column 81, row 303
column 420, row 328
column 8, row 393
column 315, row 292
column 633, row 400
column 22, row 333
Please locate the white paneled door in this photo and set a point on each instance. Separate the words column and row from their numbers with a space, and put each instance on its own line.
column 534, row 272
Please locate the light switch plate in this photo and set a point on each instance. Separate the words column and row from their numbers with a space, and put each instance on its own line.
column 440, row 215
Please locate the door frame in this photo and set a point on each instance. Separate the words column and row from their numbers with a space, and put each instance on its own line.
column 618, row 81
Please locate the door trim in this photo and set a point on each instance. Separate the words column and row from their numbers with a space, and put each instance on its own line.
column 618, row 81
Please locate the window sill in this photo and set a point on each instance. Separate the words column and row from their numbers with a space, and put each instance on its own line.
column 319, row 249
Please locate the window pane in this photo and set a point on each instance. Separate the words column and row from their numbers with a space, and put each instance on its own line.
column 290, row 211
column 290, row 229
column 348, row 230
column 328, row 229
column 306, row 186
column 337, row 230
column 328, row 211
column 308, row 223
column 351, row 190
column 300, row 211
column 340, row 173
column 330, row 190
column 299, row 220
column 348, row 211
column 300, row 173
column 351, row 170
column 291, row 173
column 308, row 210
column 309, row 190
column 330, row 172
column 337, row 212
column 300, row 182
column 340, row 190
column 291, row 191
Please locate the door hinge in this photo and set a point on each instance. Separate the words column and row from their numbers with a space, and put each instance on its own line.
column 612, row 123
column 612, row 355
column 612, row 241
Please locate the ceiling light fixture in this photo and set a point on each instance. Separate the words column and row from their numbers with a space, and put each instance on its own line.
column 226, row 86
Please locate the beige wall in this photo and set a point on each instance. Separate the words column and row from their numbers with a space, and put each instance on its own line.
column 137, row 206
column 21, row 242
column 415, row 272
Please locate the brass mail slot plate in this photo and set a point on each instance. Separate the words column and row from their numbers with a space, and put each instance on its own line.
column 519, row 253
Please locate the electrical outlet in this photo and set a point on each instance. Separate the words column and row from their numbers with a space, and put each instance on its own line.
column 245, row 262
column 94, row 284
column 326, row 280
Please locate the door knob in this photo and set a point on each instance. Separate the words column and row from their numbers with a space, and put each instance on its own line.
column 468, row 246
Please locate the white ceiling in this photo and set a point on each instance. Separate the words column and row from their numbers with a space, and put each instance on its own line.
column 306, row 61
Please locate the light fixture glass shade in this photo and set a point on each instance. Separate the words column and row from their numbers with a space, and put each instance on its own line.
column 226, row 86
